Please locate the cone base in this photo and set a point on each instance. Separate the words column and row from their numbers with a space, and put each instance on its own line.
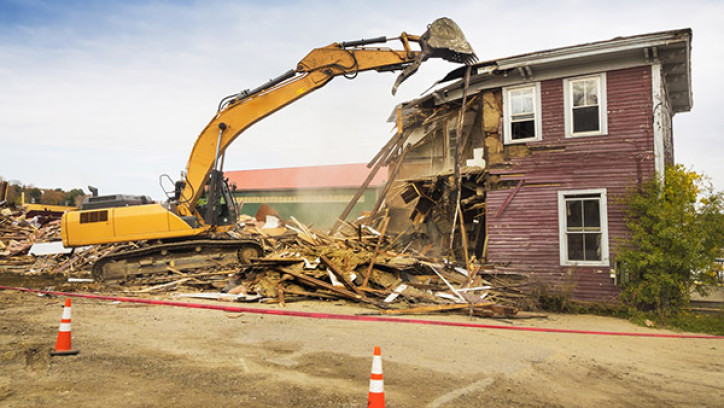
column 376, row 400
column 64, row 352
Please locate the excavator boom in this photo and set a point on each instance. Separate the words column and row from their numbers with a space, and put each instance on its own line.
column 201, row 204
column 443, row 39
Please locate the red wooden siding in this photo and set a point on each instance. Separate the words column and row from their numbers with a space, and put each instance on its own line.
column 524, row 238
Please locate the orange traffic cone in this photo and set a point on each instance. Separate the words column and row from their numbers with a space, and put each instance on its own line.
column 376, row 397
column 62, row 345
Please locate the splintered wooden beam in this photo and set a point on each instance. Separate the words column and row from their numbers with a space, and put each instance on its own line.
column 385, row 150
column 162, row 286
column 376, row 251
column 342, row 292
column 390, row 180
column 356, row 197
column 339, row 275
column 309, row 294
column 437, row 308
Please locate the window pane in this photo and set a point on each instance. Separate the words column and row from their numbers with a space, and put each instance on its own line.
column 527, row 102
column 585, row 119
column 592, row 247
column 578, row 93
column 585, row 92
column 521, row 101
column 515, row 105
column 591, row 214
column 574, row 214
column 522, row 130
column 591, row 86
column 584, row 231
column 575, row 247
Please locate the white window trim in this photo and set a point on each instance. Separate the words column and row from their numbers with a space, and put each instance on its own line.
column 563, row 239
column 507, row 133
column 602, row 103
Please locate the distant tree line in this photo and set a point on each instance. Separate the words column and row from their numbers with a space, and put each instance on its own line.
column 35, row 195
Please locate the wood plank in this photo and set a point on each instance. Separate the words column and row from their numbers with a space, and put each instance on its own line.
column 376, row 251
column 436, row 308
column 340, row 276
column 356, row 197
column 309, row 294
column 162, row 286
column 342, row 292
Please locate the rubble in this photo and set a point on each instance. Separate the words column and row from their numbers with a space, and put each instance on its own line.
column 358, row 265
column 18, row 234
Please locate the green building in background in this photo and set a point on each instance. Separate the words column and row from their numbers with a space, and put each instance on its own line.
column 316, row 195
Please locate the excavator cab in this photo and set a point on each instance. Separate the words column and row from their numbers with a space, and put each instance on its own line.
column 221, row 209
column 217, row 205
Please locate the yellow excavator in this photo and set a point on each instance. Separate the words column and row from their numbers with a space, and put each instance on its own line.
column 185, row 229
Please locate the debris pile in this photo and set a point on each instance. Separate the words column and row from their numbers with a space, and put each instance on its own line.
column 18, row 234
column 358, row 265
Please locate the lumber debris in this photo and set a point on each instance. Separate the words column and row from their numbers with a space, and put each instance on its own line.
column 358, row 264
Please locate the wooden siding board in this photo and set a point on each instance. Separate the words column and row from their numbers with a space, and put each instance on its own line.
column 525, row 238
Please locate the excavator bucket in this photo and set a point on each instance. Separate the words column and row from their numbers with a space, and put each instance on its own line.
column 442, row 39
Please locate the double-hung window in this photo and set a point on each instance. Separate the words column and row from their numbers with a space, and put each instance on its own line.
column 522, row 113
column 583, row 225
column 585, row 105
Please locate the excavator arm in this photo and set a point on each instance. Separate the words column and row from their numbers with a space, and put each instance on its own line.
column 180, row 233
column 314, row 71
column 320, row 66
column 182, row 217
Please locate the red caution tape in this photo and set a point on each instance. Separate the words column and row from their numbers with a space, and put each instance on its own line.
column 332, row 316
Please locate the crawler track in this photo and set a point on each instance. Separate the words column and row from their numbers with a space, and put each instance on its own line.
column 163, row 258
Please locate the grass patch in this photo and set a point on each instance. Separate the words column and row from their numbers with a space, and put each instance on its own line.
column 689, row 322
column 681, row 321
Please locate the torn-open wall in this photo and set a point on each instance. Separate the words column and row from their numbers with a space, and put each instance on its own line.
column 422, row 198
column 549, row 143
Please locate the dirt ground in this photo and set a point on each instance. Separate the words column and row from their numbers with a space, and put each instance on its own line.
column 159, row 356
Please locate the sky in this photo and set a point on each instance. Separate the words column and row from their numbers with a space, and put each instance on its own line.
column 114, row 93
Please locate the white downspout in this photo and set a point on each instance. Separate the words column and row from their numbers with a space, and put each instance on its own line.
column 659, row 109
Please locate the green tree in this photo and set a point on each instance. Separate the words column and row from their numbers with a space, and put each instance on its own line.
column 72, row 196
column 676, row 232
column 33, row 195
column 52, row 197
column 14, row 194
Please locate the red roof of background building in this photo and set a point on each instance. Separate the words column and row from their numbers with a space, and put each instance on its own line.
column 339, row 175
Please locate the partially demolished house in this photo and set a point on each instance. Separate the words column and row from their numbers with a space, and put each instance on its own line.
column 545, row 144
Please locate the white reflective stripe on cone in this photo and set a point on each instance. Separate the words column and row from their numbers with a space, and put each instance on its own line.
column 64, row 327
column 376, row 365
column 66, row 313
column 377, row 386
